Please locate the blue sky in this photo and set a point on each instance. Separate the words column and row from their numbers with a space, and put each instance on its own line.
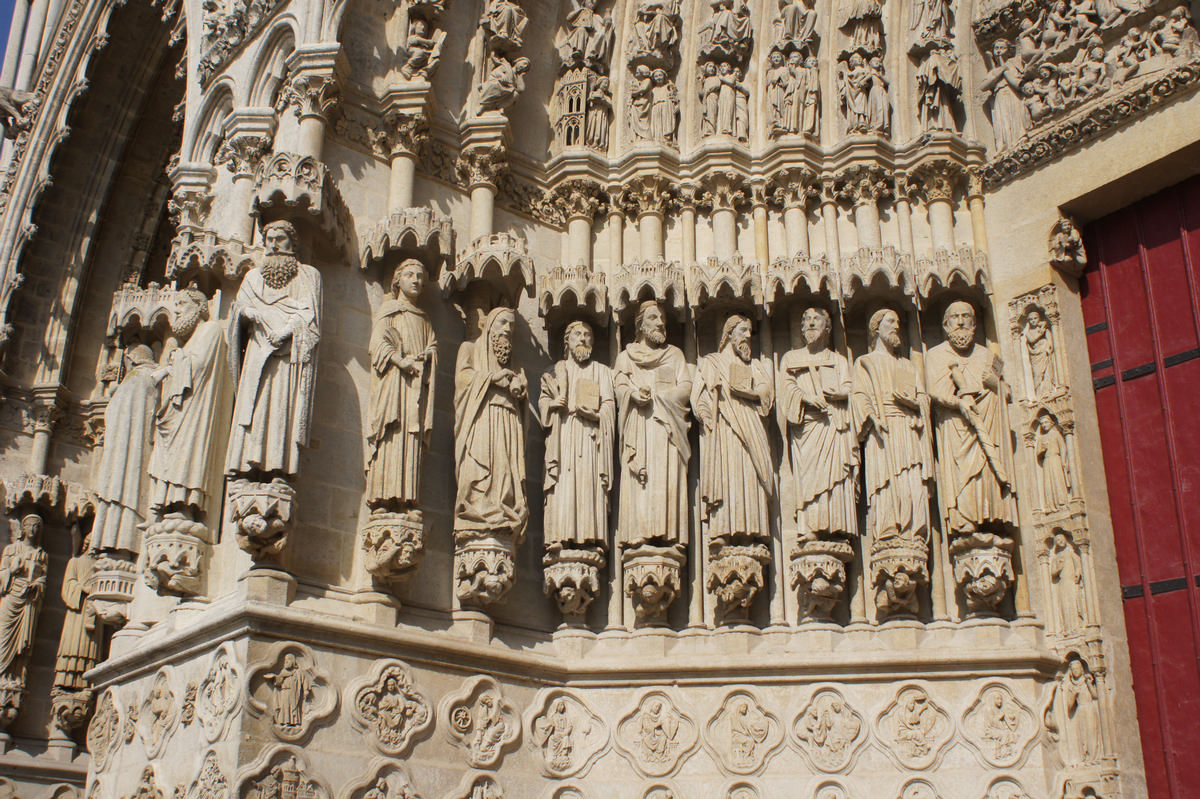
column 6, row 7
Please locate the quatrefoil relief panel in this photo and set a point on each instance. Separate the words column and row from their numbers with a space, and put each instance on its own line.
column 743, row 734
column 387, row 706
column 479, row 719
column 655, row 736
column 290, row 690
column 829, row 731
column 913, row 728
column 566, row 733
column 1000, row 727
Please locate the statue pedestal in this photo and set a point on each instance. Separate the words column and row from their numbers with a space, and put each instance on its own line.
column 983, row 570
column 273, row 586
column 393, row 544
column 572, row 578
column 818, row 575
column 473, row 625
column 736, row 576
column 652, row 581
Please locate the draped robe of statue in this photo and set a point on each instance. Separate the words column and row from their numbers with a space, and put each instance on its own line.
column 401, row 414
column 274, row 384
column 821, row 443
column 489, row 442
column 79, row 644
column 1051, row 451
column 896, row 462
column 579, row 453
column 969, row 485
column 654, row 440
column 22, row 583
column 181, row 460
column 128, row 423
column 736, row 475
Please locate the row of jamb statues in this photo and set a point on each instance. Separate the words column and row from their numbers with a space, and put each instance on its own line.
column 629, row 424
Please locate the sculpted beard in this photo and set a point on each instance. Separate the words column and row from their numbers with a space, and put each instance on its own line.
column 581, row 352
column 502, row 347
column 742, row 348
column 185, row 325
column 656, row 336
column 278, row 269
column 961, row 338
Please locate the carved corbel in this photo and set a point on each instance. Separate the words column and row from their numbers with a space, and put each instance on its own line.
column 1067, row 253
column 649, row 194
column 310, row 94
column 937, row 180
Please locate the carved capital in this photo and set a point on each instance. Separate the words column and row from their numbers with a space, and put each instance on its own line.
column 725, row 191
column 938, row 180
column 649, row 195
column 400, row 133
column 974, row 183
column 689, row 195
column 482, row 166
column 189, row 207
column 578, row 198
column 310, row 95
column 46, row 412
column 861, row 185
column 242, row 155
column 792, row 188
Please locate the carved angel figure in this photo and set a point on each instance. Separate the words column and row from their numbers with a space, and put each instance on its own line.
column 504, row 85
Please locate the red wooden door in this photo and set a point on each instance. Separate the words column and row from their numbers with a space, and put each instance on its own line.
column 1141, row 305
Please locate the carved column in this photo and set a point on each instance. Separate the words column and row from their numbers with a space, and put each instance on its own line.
column 480, row 168
column 581, row 199
column 975, row 205
column 616, row 226
column 792, row 191
column 829, row 212
column 762, row 240
column 650, row 198
column 313, row 93
column 938, row 180
column 689, row 195
column 904, row 188
column 400, row 141
column 242, row 153
column 47, row 412
column 864, row 187
column 725, row 191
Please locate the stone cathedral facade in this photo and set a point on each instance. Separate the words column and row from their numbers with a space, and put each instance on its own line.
column 550, row 399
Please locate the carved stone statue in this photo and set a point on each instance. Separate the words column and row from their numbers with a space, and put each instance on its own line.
column 422, row 49
column 1066, row 583
column 890, row 412
column 490, row 396
column 1050, row 449
column 1040, row 355
column 814, row 397
column 400, row 420
column 290, row 689
column 118, row 485
column 599, row 114
column 191, row 383
column 22, row 585
column 724, row 94
column 1067, row 253
column 975, row 462
column 931, row 19
column 504, row 84
column 79, row 643
column 1073, row 713
column 504, row 24
column 795, row 27
column 862, row 22
column 1010, row 117
column 726, row 34
column 577, row 407
column 974, row 459
column 653, row 383
column 587, row 41
column 275, row 325
column 731, row 397
column 939, row 88
column 664, row 108
column 655, row 35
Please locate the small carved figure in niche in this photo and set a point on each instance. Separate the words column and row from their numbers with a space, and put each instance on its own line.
column 578, row 411
column 583, row 25
column 731, row 396
column 79, row 644
column 748, row 727
column 939, row 86
column 504, row 23
column 1066, row 580
column 879, row 107
column 1039, row 349
column 915, row 719
column 975, row 462
column 724, row 95
column 741, row 106
column 640, row 102
column 1001, row 724
column 1066, row 247
column 804, row 108
column 795, row 27
column 490, row 727
column 403, row 361
column 657, row 729
column 22, row 584
column 1002, row 86
column 664, row 108
column 504, row 84
column 191, row 383
column 862, row 22
column 599, row 114
column 815, row 393
column 1050, row 447
column 1075, row 705
column 278, row 306
column 777, row 79
column 291, row 687
column 13, row 114
column 854, row 86
column 890, row 407
column 653, row 382
column 931, row 19
column 727, row 32
column 555, row 734
column 710, row 98
column 422, row 49
column 655, row 31
column 127, row 428
column 490, row 395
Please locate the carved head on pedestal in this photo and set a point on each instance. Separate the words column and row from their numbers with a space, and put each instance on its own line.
column 817, row 328
column 651, row 325
column 884, row 330
column 958, row 323
column 736, row 336
column 409, row 279
column 578, row 340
